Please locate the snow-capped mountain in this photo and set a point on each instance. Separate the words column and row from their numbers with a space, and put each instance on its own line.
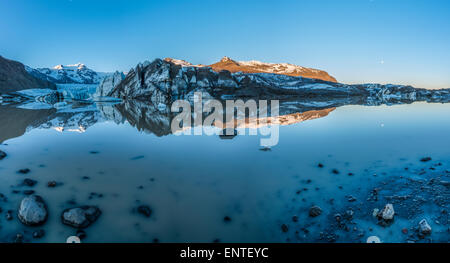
column 254, row 66
column 69, row 74
column 162, row 81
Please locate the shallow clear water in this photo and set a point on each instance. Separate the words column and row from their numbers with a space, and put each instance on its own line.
column 193, row 182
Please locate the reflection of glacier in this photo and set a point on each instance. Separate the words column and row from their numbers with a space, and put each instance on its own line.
column 77, row 116
column 145, row 117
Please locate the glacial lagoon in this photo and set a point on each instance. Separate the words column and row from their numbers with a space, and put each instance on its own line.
column 347, row 160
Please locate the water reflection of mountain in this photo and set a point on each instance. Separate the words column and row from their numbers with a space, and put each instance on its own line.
column 14, row 122
column 143, row 116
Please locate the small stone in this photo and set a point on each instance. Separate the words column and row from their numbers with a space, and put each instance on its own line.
column 351, row 199
column 9, row 215
column 388, row 212
column 424, row 227
column 39, row 233
column 29, row 182
column 338, row 217
column 295, row 219
column 375, row 212
column 81, row 234
column 24, row 171
column 315, row 211
column 19, row 238
column 144, row 210
column 349, row 214
column 425, row 159
column 28, row 192
column 80, row 217
column 284, row 228
column 52, row 184
column 2, row 155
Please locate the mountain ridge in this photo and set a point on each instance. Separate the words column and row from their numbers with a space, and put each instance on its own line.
column 255, row 66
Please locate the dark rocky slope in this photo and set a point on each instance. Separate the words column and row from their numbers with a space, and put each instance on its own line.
column 14, row 77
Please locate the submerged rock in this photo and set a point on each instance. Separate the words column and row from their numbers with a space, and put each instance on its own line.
column 52, row 184
column 29, row 182
column 39, row 233
column 425, row 159
column 81, row 234
column 2, row 155
column 9, row 215
column 33, row 211
column 24, row 171
column 80, row 217
column 315, row 211
column 424, row 227
column 144, row 210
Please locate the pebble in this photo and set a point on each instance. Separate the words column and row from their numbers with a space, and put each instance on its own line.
column 425, row 159
column 81, row 234
column 24, row 171
column 144, row 210
column 315, row 211
column 424, row 227
column 52, row 184
column 39, row 233
column 9, row 215
column 29, row 182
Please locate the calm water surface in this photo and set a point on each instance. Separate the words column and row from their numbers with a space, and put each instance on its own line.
column 193, row 182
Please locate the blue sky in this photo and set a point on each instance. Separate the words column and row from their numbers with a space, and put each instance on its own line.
column 357, row 41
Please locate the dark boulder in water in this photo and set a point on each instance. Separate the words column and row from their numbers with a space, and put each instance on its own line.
column 33, row 211
column 80, row 217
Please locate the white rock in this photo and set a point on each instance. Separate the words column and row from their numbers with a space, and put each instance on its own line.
column 424, row 227
column 388, row 212
column 33, row 211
